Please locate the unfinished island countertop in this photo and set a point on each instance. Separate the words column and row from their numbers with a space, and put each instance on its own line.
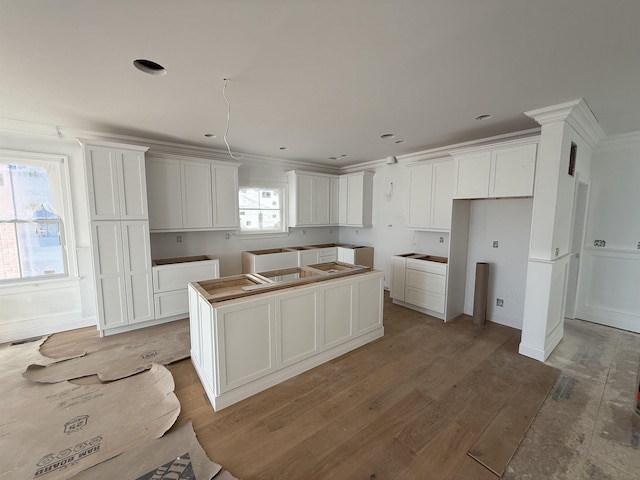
column 252, row 331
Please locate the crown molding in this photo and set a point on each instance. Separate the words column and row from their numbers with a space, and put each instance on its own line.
column 158, row 147
column 577, row 114
column 623, row 140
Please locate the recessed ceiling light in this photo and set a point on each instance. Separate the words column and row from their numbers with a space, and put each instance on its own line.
column 399, row 141
column 485, row 116
column 343, row 155
column 388, row 135
column 333, row 158
column 209, row 135
column 150, row 67
column 283, row 148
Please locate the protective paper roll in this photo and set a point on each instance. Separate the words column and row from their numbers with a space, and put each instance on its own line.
column 480, row 294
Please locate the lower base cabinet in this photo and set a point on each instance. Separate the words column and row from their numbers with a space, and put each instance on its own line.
column 419, row 284
column 241, row 347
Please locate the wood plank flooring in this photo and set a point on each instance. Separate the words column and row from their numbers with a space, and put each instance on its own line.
column 407, row 406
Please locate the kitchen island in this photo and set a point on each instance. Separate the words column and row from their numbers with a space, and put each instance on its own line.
column 252, row 331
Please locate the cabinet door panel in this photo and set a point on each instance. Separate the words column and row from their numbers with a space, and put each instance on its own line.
column 338, row 313
column 420, row 196
column 296, row 326
column 245, row 342
column 137, row 271
column 308, row 257
column 343, row 200
column 442, row 196
column 197, row 201
column 472, row 175
column 369, row 312
column 225, row 181
column 335, row 198
column 322, row 200
column 355, row 189
column 424, row 299
column 304, row 199
column 165, row 194
column 426, row 281
column 512, row 171
column 133, row 185
column 106, row 246
column 398, row 265
column 102, row 183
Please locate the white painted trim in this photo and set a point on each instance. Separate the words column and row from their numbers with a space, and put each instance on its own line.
column 485, row 146
column 47, row 326
column 245, row 391
column 426, row 311
column 611, row 318
column 614, row 142
column 39, row 285
column 531, row 352
column 506, row 320
column 577, row 114
column 192, row 157
column 137, row 326
column 102, row 143
column 550, row 345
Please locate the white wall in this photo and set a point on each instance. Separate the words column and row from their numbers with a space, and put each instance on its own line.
column 389, row 234
column 37, row 308
column 507, row 221
column 609, row 279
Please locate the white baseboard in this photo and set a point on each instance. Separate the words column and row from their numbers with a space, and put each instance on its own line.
column 610, row 318
column 47, row 326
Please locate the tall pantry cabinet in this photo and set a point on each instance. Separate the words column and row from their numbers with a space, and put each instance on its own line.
column 120, row 242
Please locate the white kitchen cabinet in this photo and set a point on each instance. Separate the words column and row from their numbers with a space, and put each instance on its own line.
column 191, row 194
column 122, row 265
column 419, row 284
column 431, row 196
column 499, row 170
column 268, row 260
column 308, row 257
column 310, row 199
column 171, row 277
column 357, row 255
column 165, row 193
column 398, row 269
column 355, row 204
column 197, row 195
column 225, row 191
column 116, row 182
column 120, row 242
column 243, row 346
column 335, row 196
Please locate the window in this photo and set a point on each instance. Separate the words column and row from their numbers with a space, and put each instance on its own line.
column 261, row 210
column 33, row 210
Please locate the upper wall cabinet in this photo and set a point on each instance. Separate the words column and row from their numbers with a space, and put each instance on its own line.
column 310, row 199
column 499, row 170
column 116, row 182
column 191, row 194
column 355, row 199
column 430, row 196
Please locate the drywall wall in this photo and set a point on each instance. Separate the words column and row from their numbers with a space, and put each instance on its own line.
column 389, row 234
column 610, row 275
column 507, row 222
column 31, row 309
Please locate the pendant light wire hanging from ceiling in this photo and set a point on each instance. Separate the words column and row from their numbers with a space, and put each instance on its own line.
column 226, row 130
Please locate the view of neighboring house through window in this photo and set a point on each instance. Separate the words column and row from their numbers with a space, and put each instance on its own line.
column 261, row 210
column 31, row 219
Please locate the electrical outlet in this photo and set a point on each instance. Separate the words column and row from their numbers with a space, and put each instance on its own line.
column 228, row 236
column 356, row 232
column 303, row 232
column 179, row 239
column 495, row 244
column 442, row 240
column 557, row 252
column 499, row 302
column 638, row 245
column 599, row 243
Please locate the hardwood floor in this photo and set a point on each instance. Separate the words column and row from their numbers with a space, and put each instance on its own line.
column 407, row 406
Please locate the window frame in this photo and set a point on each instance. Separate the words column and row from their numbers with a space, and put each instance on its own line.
column 67, row 235
column 284, row 231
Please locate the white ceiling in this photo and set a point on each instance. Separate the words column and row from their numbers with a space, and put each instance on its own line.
column 323, row 78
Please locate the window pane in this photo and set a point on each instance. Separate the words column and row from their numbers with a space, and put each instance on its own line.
column 31, row 232
column 261, row 209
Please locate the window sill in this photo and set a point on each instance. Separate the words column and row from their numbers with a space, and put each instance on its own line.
column 38, row 285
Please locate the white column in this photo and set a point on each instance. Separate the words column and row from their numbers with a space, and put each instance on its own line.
column 549, row 249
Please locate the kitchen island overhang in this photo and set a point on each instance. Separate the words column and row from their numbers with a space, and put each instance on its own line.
column 250, row 332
